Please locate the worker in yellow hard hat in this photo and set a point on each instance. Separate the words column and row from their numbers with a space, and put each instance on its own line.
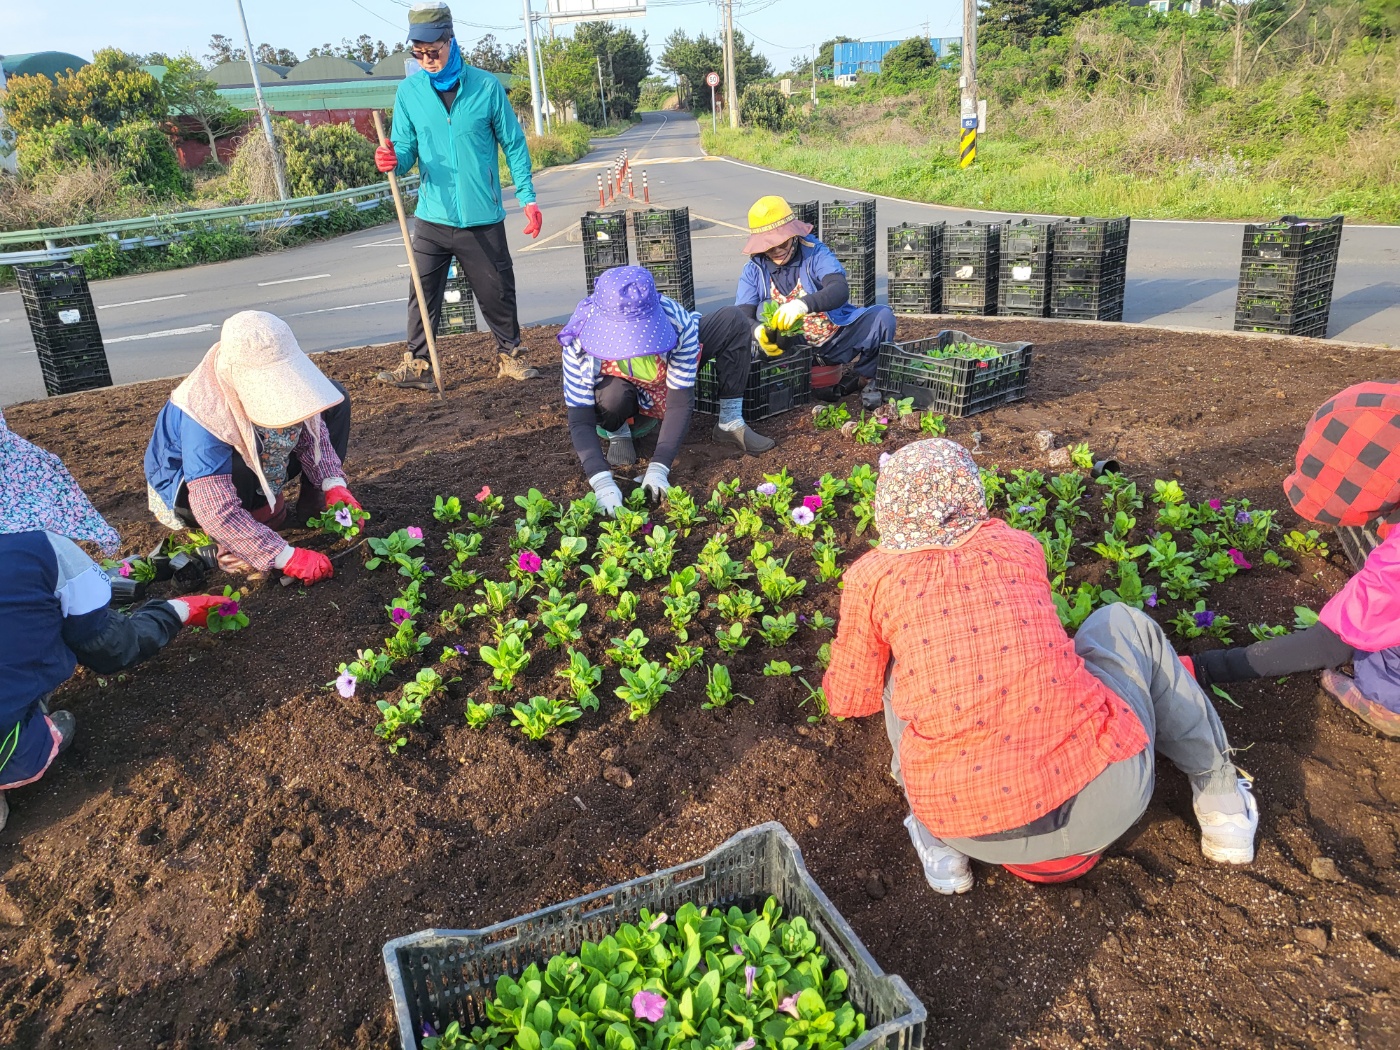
column 791, row 267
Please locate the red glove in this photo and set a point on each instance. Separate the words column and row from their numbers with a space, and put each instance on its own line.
column 199, row 606
column 533, row 220
column 308, row 566
column 340, row 494
column 385, row 159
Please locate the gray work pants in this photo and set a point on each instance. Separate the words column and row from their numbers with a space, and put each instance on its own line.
column 1126, row 650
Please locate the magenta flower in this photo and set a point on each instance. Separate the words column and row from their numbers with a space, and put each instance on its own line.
column 803, row 516
column 125, row 570
column 812, row 502
column 345, row 685
column 1239, row 559
column 414, row 532
column 398, row 616
column 343, row 517
column 646, row 529
column 750, row 972
column 484, row 494
column 768, row 489
column 1204, row 618
column 1213, row 504
column 789, row 1005
column 649, row 1006
column 528, row 561
column 228, row 609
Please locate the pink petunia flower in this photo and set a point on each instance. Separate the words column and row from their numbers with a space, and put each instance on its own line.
column 659, row 921
column 789, row 1005
column 414, row 532
column 484, row 494
column 812, row 502
column 1239, row 559
column 747, row 1044
column 398, row 616
column 529, row 561
column 125, row 570
column 1214, row 504
column 343, row 518
column 884, row 458
column 649, row 1006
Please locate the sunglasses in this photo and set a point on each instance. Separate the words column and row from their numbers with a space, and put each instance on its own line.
column 432, row 54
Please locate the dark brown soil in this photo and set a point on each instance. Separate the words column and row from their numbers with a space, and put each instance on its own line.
column 223, row 852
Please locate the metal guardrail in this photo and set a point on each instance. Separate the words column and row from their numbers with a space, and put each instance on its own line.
column 155, row 230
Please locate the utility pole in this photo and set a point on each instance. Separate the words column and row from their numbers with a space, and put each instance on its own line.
column 814, row 74
column 602, row 98
column 534, row 70
column 968, row 151
column 263, row 113
column 731, row 89
column 544, row 89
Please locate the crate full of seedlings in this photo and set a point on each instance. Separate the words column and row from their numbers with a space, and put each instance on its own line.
column 1089, row 268
column 663, row 248
column 675, row 280
column 809, row 212
column 1023, row 274
column 745, row 921
column 953, row 373
column 971, row 265
column 63, row 322
column 776, row 384
column 604, row 244
column 848, row 229
column 915, row 265
column 458, row 314
column 1287, row 271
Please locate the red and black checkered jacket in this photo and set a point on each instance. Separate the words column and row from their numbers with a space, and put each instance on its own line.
column 1348, row 465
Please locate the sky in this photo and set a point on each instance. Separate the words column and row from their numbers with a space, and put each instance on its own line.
column 781, row 29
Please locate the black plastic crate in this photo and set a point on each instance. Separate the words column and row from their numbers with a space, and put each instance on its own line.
column 915, row 251
column 63, row 323
column 970, row 297
column 1291, row 237
column 809, row 212
column 953, row 386
column 860, row 273
column 675, row 280
column 921, row 296
column 776, row 384
column 441, row 976
column 79, row 364
column 1027, row 238
column 43, row 281
column 604, row 244
column 1034, row 269
column 850, row 241
column 458, row 313
column 1287, row 277
column 1023, row 298
column 1357, row 543
column 1091, row 236
column 1087, row 300
column 972, row 238
column 847, row 217
column 1080, row 267
column 962, row 267
column 1259, row 314
column 662, row 235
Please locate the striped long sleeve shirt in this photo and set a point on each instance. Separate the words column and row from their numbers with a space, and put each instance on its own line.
column 581, row 370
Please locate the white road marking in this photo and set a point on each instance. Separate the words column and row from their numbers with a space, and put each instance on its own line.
column 403, row 266
column 138, row 302
column 293, row 280
column 160, row 335
column 5, row 320
column 353, row 306
column 396, row 242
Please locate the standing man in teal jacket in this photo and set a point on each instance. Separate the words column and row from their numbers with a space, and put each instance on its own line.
column 449, row 120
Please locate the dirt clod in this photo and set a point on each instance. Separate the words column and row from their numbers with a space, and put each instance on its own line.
column 1325, row 869
column 618, row 777
column 1310, row 937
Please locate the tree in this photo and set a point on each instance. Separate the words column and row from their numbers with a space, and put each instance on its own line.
column 569, row 75
column 764, row 106
column 276, row 56
column 221, row 49
column 112, row 90
column 490, row 56
column 913, row 59
column 624, row 59
column 190, row 93
column 689, row 60
column 826, row 58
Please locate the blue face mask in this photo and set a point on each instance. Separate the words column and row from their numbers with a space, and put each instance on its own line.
column 446, row 78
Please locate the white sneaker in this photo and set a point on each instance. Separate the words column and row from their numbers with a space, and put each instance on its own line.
column 1229, row 837
column 946, row 870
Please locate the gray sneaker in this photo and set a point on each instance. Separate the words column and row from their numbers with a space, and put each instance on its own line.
column 746, row 438
column 510, row 366
column 870, row 396
column 413, row 373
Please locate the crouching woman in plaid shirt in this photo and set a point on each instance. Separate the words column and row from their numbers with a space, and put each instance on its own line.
column 631, row 353
column 254, row 414
column 1347, row 475
column 1014, row 744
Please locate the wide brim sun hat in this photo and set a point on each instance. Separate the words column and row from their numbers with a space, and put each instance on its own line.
column 625, row 318
column 277, row 384
column 771, row 222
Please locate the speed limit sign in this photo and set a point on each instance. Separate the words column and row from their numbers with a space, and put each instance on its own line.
column 712, row 80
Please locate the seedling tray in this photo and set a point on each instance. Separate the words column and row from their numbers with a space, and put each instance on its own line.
column 840, row 217
column 440, row 976
column 975, row 238
column 1089, row 301
column 1092, row 236
column 604, row 244
column 776, row 384
column 1291, row 237
column 962, row 266
column 1027, row 238
column 915, row 297
column 809, row 212
column 1080, row 267
column 43, row 281
column 1287, row 277
column 970, row 297
column 1023, row 298
column 915, row 251
column 953, row 386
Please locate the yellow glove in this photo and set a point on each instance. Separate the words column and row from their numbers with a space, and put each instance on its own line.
column 760, row 335
column 789, row 314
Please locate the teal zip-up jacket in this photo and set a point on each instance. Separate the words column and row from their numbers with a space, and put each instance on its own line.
column 456, row 152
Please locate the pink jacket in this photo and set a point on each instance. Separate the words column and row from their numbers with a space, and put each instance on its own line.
column 1366, row 612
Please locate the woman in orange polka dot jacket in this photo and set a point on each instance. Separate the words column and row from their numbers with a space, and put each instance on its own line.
column 1014, row 745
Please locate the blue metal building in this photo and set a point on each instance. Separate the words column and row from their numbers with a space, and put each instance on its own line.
column 866, row 56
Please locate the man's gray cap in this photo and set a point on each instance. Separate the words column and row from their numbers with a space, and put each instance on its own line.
column 429, row 22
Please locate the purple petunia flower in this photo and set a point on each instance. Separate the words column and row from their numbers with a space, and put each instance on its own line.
column 345, row 685
column 1204, row 618
column 750, row 972
column 812, row 502
column 343, row 518
column 803, row 516
column 1243, row 517
column 1025, row 508
column 747, row 1044
column 660, row 920
column 768, row 489
column 789, row 1005
column 414, row 532
column 649, row 1006
column 228, row 609
column 429, row 1032
column 1239, row 559
column 646, row 529
column 1213, row 504
column 1151, row 601
column 399, row 615
column 884, row 458
column 529, row 561
column 461, row 649
column 737, row 949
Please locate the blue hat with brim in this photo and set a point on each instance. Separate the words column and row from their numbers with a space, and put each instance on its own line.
column 625, row 318
column 429, row 22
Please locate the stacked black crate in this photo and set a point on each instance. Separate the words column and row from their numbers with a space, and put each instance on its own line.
column 604, row 244
column 64, row 324
column 458, row 314
column 971, row 258
column 915, row 261
column 1286, row 274
column 663, row 247
column 848, row 229
column 1023, row 279
column 809, row 212
column 1089, row 271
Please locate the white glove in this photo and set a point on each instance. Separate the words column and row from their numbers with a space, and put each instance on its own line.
column 609, row 495
column 789, row 314
column 656, row 481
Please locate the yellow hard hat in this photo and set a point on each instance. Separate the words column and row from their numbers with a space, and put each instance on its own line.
column 771, row 222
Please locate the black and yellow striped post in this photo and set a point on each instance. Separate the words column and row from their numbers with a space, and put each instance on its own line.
column 969, row 141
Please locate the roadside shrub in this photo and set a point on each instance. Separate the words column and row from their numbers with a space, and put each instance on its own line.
column 764, row 106
column 912, row 60
column 317, row 160
column 139, row 151
column 92, row 192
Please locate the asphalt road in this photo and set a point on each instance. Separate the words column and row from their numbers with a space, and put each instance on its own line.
column 352, row 290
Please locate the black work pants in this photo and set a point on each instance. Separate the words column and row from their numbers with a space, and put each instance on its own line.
column 482, row 254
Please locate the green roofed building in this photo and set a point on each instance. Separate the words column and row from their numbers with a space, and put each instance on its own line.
column 45, row 63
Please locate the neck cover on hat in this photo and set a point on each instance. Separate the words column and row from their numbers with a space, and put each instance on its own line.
column 929, row 495
column 38, row 494
column 446, row 78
